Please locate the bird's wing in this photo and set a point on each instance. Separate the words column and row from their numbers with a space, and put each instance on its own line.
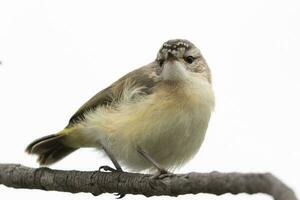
column 140, row 77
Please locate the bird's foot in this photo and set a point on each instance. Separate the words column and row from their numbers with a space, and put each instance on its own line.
column 107, row 168
column 119, row 195
column 161, row 174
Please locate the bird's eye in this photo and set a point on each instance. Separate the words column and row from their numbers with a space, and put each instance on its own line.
column 161, row 62
column 189, row 59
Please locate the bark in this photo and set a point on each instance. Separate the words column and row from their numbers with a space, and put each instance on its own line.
column 95, row 182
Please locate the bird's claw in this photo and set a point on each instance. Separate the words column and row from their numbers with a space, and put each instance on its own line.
column 120, row 195
column 162, row 173
column 107, row 169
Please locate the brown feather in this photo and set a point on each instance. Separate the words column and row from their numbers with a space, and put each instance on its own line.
column 49, row 149
column 111, row 95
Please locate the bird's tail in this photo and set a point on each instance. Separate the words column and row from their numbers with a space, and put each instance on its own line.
column 51, row 148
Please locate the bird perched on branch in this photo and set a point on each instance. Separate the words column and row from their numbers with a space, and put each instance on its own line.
column 153, row 118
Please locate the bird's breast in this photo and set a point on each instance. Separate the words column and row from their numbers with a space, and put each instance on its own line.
column 177, row 122
column 169, row 125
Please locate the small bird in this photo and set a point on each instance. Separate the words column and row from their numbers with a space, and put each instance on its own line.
column 154, row 118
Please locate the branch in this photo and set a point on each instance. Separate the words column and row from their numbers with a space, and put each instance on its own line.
column 95, row 182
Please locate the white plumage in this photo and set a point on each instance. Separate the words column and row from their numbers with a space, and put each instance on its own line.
column 169, row 124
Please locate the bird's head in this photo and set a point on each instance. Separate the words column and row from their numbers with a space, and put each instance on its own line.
column 179, row 60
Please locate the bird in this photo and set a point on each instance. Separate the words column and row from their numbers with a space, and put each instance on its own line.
column 154, row 118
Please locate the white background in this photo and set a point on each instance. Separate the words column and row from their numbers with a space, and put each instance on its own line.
column 57, row 54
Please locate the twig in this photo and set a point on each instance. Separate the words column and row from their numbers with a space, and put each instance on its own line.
column 95, row 182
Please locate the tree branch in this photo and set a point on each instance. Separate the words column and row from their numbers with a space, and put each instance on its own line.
column 95, row 182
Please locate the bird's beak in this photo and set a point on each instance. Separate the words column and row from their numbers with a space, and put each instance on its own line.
column 174, row 69
column 171, row 57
